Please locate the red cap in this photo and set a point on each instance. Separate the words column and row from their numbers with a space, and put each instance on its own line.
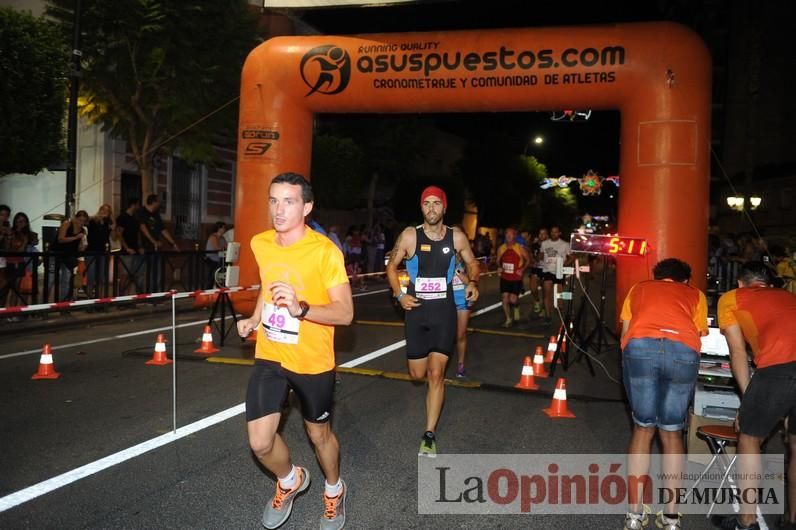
column 436, row 192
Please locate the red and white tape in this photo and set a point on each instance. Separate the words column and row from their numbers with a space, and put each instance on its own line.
column 61, row 306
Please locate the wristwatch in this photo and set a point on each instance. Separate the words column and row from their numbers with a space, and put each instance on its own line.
column 305, row 307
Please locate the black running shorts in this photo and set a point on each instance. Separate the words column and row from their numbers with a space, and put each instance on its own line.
column 511, row 286
column 551, row 277
column 431, row 328
column 268, row 386
column 770, row 396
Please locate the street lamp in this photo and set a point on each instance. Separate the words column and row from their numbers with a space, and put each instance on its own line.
column 737, row 202
column 538, row 140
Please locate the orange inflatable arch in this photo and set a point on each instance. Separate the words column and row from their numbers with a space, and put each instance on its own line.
column 656, row 74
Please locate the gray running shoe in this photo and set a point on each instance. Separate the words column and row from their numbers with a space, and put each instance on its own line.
column 278, row 510
column 668, row 523
column 637, row 521
column 334, row 510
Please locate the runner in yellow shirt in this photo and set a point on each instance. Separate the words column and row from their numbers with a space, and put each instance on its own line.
column 304, row 293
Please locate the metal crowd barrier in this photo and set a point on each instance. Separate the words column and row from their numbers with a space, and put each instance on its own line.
column 31, row 278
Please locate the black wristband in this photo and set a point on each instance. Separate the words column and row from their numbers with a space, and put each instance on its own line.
column 305, row 307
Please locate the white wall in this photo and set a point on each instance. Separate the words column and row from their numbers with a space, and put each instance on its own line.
column 36, row 195
column 95, row 169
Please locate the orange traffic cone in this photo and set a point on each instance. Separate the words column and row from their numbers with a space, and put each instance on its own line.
column 558, row 408
column 526, row 377
column 538, row 363
column 159, row 357
column 46, row 366
column 207, row 347
column 552, row 346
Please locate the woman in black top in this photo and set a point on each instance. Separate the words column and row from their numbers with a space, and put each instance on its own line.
column 99, row 238
column 68, row 244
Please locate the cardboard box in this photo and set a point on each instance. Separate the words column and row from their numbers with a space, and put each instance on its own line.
column 698, row 450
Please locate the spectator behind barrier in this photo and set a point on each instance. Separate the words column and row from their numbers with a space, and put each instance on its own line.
column 785, row 267
column 132, row 261
column 99, row 238
column 215, row 243
column 20, row 239
column 152, row 229
column 5, row 232
column 70, row 241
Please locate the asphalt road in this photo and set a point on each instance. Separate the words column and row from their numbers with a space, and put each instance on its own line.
column 108, row 400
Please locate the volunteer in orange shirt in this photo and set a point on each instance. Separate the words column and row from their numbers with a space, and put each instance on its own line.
column 304, row 293
column 662, row 320
column 765, row 318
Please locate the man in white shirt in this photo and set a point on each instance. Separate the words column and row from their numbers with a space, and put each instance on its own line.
column 551, row 249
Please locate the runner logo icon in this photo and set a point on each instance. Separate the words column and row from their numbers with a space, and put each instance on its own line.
column 326, row 69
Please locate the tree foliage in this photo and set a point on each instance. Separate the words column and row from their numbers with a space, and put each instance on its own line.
column 154, row 68
column 502, row 182
column 390, row 149
column 32, row 93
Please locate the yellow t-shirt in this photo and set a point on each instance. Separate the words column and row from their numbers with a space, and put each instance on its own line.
column 312, row 265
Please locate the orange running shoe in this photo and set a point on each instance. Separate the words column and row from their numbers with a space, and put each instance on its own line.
column 278, row 510
column 334, row 510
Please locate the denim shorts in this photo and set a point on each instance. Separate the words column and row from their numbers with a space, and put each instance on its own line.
column 659, row 377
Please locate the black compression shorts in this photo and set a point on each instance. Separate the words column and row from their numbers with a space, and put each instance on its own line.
column 268, row 386
column 431, row 328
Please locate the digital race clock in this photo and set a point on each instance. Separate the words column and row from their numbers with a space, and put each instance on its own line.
column 608, row 245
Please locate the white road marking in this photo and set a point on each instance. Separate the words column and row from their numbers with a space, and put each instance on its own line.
column 42, row 488
column 105, row 339
column 494, row 306
column 373, row 355
column 24, row 495
column 133, row 334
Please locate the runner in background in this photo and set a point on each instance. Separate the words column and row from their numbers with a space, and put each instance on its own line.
column 463, row 308
column 430, row 250
column 512, row 258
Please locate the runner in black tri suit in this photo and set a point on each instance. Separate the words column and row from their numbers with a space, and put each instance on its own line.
column 430, row 250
